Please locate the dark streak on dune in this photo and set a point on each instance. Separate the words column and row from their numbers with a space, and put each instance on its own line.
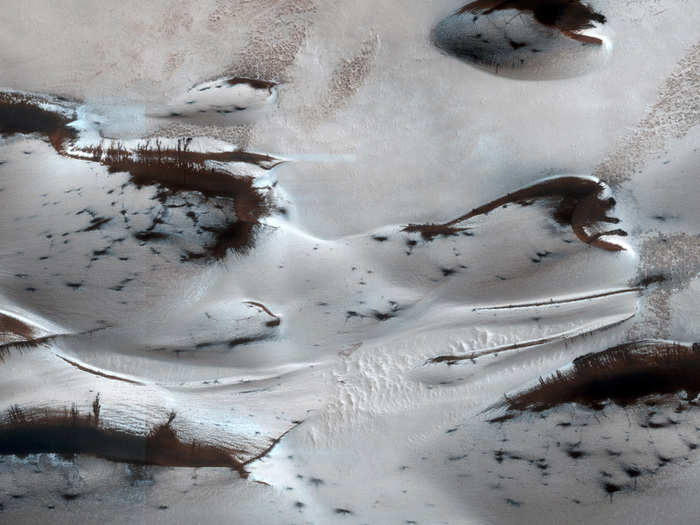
column 96, row 223
column 68, row 432
column 647, row 281
column 567, row 16
column 559, row 301
column 580, row 206
column 21, row 113
column 454, row 359
column 97, row 372
column 230, row 343
column 431, row 231
column 252, row 82
column 175, row 171
column 236, row 236
column 13, row 326
column 23, row 345
column 150, row 236
column 36, row 342
column 246, row 340
column 275, row 319
column 273, row 444
column 172, row 170
column 624, row 374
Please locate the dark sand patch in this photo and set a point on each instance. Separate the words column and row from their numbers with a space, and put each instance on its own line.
column 579, row 204
column 567, row 16
column 174, row 171
column 624, row 375
column 275, row 319
column 11, row 326
column 454, row 359
column 560, row 301
column 67, row 432
column 21, row 113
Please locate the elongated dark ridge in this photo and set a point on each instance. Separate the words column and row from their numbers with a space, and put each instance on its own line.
column 20, row 346
column 580, row 206
column 154, row 153
column 452, row 359
column 67, row 432
column 624, row 374
column 92, row 371
column 558, row 301
column 177, row 170
column 568, row 16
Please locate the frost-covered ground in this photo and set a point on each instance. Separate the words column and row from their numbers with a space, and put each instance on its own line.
column 331, row 323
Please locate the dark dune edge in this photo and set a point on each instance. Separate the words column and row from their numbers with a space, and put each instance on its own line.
column 10, row 329
column 67, row 432
column 275, row 321
column 180, row 156
column 13, row 326
column 568, row 16
column 21, row 113
column 98, row 373
column 452, row 359
column 580, row 206
column 252, row 82
column 175, row 171
column 624, row 375
column 21, row 346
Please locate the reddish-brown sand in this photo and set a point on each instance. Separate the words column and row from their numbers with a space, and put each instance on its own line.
column 568, row 16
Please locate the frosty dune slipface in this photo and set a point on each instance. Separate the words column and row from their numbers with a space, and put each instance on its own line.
column 527, row 39
column 264, row 268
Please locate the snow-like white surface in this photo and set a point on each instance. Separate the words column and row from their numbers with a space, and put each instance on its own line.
column 379, row 129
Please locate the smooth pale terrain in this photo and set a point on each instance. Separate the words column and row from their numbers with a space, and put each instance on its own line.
column 378, row 129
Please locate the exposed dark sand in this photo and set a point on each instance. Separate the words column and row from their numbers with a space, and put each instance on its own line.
column 647, row 281
column 68, row 432
column 624, row 375
column 560, row 301
column 36, row 342
column 568, row 16
column 580, row 206
column 154, row 154
column 20, row 346
column 22, row 114
column 178, row 171
column 252, row 82
column 12, row 326
column 175, row 171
